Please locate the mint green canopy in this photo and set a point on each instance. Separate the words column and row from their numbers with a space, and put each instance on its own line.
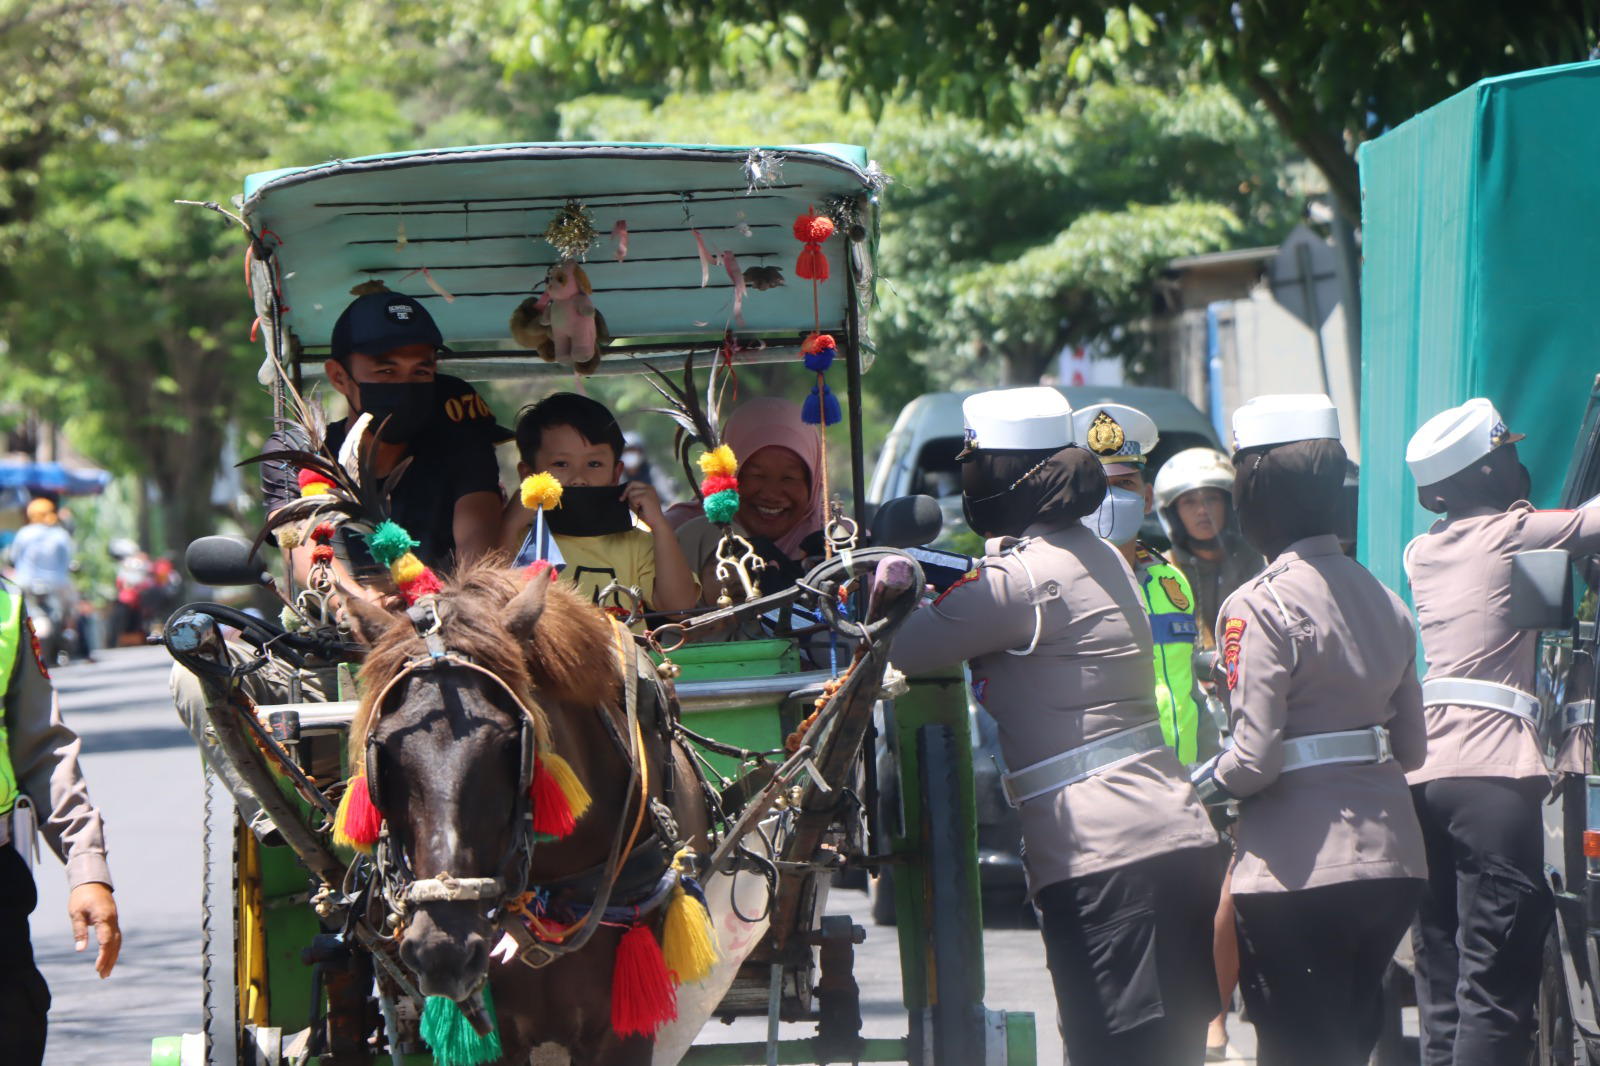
column 474, row 218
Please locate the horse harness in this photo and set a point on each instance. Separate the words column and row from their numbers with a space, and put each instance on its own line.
column 402, row 887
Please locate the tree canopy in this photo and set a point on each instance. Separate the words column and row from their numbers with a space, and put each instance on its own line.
column 1331, row 72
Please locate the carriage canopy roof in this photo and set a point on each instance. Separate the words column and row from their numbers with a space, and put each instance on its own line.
column 471, row 222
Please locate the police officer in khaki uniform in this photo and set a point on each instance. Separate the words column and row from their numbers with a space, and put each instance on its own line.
column 1481, row 927
column 1060, row 652
column 1326, row 711
column 39, row 771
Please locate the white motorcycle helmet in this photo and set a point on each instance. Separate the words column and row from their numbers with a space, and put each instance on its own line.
column 1190, row 469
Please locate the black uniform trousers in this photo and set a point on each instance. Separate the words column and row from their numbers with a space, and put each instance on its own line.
column 1311, row 966
column 24, row 997
column 1480, row 931
column 1129, row 952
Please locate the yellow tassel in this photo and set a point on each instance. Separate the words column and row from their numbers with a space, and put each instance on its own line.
column 566, row 779
column 541, row 490
column 406, row 569
column 341, row 818
column 719, row 463
column 688, row 942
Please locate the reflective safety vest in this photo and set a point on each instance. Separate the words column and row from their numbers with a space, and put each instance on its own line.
column 10, row 640
column 1170, row 605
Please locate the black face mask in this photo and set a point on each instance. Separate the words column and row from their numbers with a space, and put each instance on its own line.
column 590, row 511
column 403, row 409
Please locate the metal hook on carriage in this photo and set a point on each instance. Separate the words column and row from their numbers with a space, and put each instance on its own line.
column 632, row 592
column 731, row 563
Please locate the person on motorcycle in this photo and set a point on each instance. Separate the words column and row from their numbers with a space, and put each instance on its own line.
column 1192, row 498
column 41, row 556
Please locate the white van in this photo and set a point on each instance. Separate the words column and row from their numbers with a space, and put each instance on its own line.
column 920, row 453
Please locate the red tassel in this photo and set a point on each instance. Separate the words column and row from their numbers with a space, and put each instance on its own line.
column 552, row 814
column 361, row 820
column 643, row 997
column 812, row 264
column 426, row 585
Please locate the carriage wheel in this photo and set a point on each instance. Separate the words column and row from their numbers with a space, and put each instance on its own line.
column 954, row 922
column 219, row 926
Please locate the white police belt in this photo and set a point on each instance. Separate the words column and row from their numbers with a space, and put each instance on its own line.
column 1080, row 763
column 1465, row 692
column 1576, row 714
column 1334, row 749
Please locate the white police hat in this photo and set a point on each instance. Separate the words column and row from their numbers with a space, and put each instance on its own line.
column 1030, row 419
column 1453, row 440
column 1284, row 419
column 1120, row 436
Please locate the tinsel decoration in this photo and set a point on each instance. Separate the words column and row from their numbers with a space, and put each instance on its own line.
column 762, row 169
column 821, row 408
column 811, row 229
column 451, row 1038
column 390, row 546
column 572, row 231
column 719, row 490
column 643, row 996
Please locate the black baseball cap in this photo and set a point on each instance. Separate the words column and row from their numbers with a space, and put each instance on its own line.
column 381, row 322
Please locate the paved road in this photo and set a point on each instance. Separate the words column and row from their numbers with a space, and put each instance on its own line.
column 145, row 775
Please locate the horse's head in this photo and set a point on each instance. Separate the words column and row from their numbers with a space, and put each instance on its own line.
column 450, row 743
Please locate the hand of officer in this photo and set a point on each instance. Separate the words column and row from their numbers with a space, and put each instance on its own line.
column 91, row 904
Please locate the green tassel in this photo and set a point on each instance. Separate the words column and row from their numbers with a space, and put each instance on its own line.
column 389, row 542
column 451, row 1038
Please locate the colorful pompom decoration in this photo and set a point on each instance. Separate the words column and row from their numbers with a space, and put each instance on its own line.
column 313, row 483
column 541, row 490
column 811, row 229
column 357, row 821
column 719, row 462
column 821, row 408
column 643, row 996
column 557, row 797
column 391, row 546
column 721, row 507
column 322, row 553
column 289, row 538
column 451, row 1037
column 718, row 483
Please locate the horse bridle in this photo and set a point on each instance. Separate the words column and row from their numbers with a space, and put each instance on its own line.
column 400, row 884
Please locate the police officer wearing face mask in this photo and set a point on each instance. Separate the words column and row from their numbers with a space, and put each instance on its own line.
column 1326, row 710
column 1122, row 438
column 384, row 361
column 1480, row 932
column 1060, row 651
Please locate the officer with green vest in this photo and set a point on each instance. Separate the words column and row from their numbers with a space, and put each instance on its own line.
column 1123, row 437
column 39, row 771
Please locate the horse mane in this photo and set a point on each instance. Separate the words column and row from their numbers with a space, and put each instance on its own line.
column 573, row 639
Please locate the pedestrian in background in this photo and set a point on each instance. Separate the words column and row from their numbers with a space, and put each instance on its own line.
column 1326, row 717
column 1116, row 843
column 1481, row 928
column 39, row 772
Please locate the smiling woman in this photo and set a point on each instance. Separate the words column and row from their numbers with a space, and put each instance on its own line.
column 780, row 494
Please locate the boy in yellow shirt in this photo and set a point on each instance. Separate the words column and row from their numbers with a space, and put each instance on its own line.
column 600, row 537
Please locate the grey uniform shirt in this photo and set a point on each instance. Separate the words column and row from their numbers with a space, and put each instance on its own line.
column 1460, row 572
column 1088, row 677
column 44, row 755
column 1344, row 658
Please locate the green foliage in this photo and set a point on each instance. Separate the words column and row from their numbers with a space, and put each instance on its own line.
column 1331, row 72
column 1001, row 246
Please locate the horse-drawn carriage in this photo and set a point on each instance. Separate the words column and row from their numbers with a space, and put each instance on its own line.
column 728, row 782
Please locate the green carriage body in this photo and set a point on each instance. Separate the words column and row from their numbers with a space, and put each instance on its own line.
column 474, row 218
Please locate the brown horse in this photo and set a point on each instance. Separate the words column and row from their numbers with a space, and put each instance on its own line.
column 448, row 757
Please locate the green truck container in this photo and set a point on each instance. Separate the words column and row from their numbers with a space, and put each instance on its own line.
column 1481, row 277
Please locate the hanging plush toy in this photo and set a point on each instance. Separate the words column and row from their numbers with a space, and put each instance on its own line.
column 571, row 317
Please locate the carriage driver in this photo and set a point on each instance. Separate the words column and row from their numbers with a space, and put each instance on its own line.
column 39, row 772
column 384, row 361
column 1116, row 842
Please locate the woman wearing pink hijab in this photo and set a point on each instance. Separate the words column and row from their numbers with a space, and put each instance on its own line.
column 780, row 486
